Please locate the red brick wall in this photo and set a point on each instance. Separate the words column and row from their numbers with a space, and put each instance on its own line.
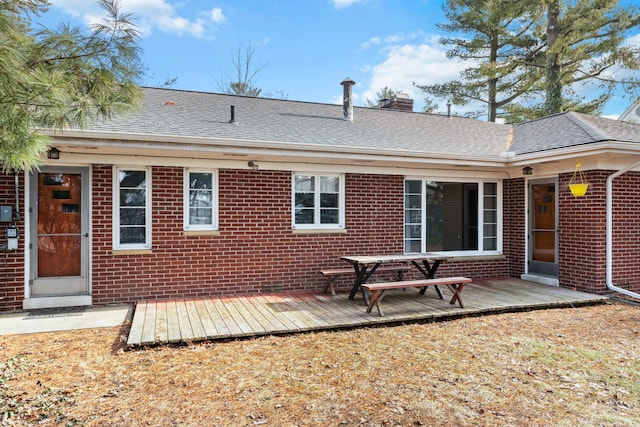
column 255, row 249
column 11, row 263
column 626, row 231
column 514, row 207
column 582, row 251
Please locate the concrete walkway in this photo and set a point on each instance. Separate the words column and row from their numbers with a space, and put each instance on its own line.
column 64, row 319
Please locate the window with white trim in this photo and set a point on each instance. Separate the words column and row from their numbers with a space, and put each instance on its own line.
column 444, row 216
column 132, row 208
column 318, row 200
column 200, row 200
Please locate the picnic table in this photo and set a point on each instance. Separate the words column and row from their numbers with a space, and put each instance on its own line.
column 365, row 266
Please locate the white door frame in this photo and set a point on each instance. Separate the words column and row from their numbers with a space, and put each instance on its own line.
column 84, row 297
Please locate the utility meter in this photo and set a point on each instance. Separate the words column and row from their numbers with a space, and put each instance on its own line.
column 12, row 233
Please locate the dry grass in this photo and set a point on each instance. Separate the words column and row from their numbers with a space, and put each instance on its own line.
column 568, row 367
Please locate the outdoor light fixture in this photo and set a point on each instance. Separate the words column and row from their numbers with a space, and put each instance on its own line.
column 53, row 153
column 527, row 170
column 253, row 165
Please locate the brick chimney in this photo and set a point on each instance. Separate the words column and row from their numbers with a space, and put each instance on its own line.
column 399, row 101
column 347, row 99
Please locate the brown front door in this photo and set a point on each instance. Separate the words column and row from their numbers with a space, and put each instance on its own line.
column 543, row 229
column 59, row 247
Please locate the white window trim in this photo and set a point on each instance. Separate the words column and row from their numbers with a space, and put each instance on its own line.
column 498, row 251
column 341, row 203
column 215, row 223
column 116, row 209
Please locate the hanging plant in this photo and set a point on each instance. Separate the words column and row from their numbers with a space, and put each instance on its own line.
column 578, row 184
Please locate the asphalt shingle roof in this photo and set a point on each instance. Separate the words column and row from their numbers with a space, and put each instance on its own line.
column 206, row 115
column 186, row 114
column 569, row 130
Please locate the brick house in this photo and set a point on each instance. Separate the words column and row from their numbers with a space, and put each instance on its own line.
column 206, row 194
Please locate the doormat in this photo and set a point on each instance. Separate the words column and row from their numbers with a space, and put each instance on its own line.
column 47, row 313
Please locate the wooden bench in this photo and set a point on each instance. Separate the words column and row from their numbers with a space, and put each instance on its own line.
column 455, row 285
column 332, row 273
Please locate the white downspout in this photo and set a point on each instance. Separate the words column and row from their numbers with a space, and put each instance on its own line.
column 609, row 227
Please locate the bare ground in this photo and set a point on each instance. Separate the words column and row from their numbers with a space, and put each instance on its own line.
column 563, row 367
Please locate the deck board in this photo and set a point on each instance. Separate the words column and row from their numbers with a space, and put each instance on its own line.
column 158, row 322
column 173, row 328
column 186, row 333
column 218, row 322
column 162, row 333
column 236, row 317
column 149, row 331
column 208, row 325
column 195, row 321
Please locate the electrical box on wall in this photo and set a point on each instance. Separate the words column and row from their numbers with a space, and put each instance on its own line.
column 6, row 214
column 12, row 233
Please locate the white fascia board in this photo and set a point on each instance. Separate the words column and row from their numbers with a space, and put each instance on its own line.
column 577, row 151
column 173, row 144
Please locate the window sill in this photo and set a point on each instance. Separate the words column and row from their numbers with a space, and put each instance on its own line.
column 190, row 233
column 319, row 230
column 476, row 257
column 131, row 252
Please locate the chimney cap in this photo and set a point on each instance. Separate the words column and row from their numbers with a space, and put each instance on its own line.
column 347, row 81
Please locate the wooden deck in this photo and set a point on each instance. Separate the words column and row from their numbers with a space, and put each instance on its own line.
column 197, row 319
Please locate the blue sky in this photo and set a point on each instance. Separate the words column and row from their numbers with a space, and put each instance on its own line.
column 307, row 47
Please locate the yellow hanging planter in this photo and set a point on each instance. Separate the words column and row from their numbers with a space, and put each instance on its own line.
column 578, row 184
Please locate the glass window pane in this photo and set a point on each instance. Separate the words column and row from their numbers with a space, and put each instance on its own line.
column 329, row 184
column 412, row 246
column 490, row 216
column 328, row 216
column 132, row 235
column 132, row 197
column 412, row 231
column 200, row 181
column 200, row 198
column 413, row 187
column 490, row 203
column 490, row 189
column 490, row 230
column 305, row 183
column 412, row 202
column 132, row 216
column 132, row 179
column 304, row 200
column 413, row 216
column 200, row 216
column 328, row 200
column 490, row 243
column 304, row 216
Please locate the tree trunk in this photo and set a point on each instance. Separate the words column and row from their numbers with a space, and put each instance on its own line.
column 553, row 101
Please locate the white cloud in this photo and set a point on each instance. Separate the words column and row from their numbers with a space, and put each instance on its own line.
column 424, row 63
column 373, row 41
column 217, row 16
column 150, row 15
column 341, row 4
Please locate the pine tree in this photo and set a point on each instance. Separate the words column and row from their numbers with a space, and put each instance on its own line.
column 502, row 37
column 584, row 42
column 535, row 57
column 56, row 79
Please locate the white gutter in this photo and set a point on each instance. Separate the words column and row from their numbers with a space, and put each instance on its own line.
column 609, row 227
